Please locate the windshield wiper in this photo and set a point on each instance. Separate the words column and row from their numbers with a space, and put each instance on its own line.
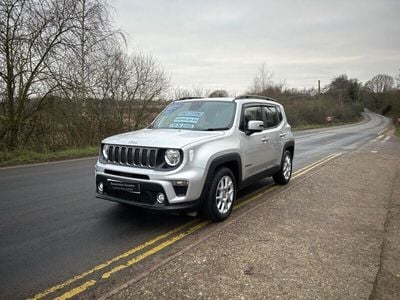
column 216, row 129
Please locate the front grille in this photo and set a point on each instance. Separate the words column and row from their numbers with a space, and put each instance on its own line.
column 133, row 156
column 124, row 174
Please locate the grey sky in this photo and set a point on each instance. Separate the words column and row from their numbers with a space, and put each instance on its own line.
column 222, row 44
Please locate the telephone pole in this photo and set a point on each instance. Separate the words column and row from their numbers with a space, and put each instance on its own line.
column 319, row 87
column 319, row 97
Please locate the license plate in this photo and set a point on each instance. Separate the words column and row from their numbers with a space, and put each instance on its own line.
column 130, row 187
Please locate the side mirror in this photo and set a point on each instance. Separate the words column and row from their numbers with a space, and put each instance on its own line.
column 254, row 126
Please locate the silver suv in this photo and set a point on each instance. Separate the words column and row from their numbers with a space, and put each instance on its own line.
column 196, row 155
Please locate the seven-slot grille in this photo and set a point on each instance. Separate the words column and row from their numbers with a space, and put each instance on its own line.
column 133, row 156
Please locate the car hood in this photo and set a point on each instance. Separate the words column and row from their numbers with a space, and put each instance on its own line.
column 161, row 138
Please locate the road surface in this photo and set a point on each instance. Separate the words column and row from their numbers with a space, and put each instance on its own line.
column 53, row 228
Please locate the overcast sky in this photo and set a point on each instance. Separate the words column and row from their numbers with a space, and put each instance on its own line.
column 221, row 44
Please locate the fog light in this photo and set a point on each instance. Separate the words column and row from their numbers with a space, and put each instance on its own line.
column 160, row 198
column 100, row 187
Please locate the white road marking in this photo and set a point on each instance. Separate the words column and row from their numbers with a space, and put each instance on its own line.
column 380, row 145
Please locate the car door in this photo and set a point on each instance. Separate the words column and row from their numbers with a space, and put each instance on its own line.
column 254, row 146
column 273, row 131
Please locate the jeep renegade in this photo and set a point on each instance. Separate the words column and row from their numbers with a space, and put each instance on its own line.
column 196, row 155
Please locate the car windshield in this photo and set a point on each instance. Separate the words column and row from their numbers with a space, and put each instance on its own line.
column 197, row 115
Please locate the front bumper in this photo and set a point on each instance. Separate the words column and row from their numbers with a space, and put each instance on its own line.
column 147, row 185
column 182, row 207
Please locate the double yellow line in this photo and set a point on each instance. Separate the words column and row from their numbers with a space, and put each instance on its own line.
column 296, row 174
column 111, row 261
column 315, row 164
column 170, row 238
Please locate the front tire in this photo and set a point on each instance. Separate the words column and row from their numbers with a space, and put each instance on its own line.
column 285, row 172
column 221, row 196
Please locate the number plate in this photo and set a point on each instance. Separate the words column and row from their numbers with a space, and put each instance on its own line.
column 131, row 187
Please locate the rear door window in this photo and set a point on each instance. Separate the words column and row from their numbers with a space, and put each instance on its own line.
column 271, row 115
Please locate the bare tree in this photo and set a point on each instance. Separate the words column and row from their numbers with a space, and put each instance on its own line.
column 134, row 83
column 195, row 91
column 380, row 83
column 80, row 66
column 86, row 46
column 30, row 31
column 344, row 89
column 149, row 84
column 65, row 56
column 262, row 81
column 218, row 93
column 398, row 80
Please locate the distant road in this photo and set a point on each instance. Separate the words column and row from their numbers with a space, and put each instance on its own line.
column 52, row 227
column 316, row 143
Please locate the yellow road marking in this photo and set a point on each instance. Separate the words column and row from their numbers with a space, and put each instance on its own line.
column 109, row 262
column 271, row 188
column 256, row 195
column 314, row 163
column 155, row 249
column 77, row 290
column 318, row 164
column 113, row 270
column 161, row 246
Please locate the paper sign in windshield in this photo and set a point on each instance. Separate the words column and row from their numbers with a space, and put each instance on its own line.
column 186, row 119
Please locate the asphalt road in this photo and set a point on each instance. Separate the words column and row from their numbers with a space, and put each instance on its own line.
column 53, row 228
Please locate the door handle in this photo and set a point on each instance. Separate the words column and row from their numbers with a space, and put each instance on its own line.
column 282, row 134
column 265, row 139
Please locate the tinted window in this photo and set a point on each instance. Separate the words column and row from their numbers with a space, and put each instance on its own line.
column 250, row 114
column 279, row 113
column 271, row 114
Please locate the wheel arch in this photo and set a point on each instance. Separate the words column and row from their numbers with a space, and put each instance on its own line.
column 231, row 161
column 289, row 146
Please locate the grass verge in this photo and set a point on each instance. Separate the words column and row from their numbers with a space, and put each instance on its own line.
column 317, row 126
column 30, row 157
column 397, row 131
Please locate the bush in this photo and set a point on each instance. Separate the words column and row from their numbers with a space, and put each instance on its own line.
column 306, row 111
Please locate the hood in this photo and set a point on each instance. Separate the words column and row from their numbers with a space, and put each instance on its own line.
column 161, row 138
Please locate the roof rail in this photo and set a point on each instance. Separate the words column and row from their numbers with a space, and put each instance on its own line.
column 188, row 98
column 254, row 97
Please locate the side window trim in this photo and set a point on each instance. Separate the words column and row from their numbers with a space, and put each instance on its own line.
column 264, row 117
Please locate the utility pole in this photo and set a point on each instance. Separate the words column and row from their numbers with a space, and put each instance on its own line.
column 319, row 97
column 319, row 87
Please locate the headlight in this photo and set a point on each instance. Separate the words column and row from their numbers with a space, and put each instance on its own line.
column 105, row 151
column 172, row 157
